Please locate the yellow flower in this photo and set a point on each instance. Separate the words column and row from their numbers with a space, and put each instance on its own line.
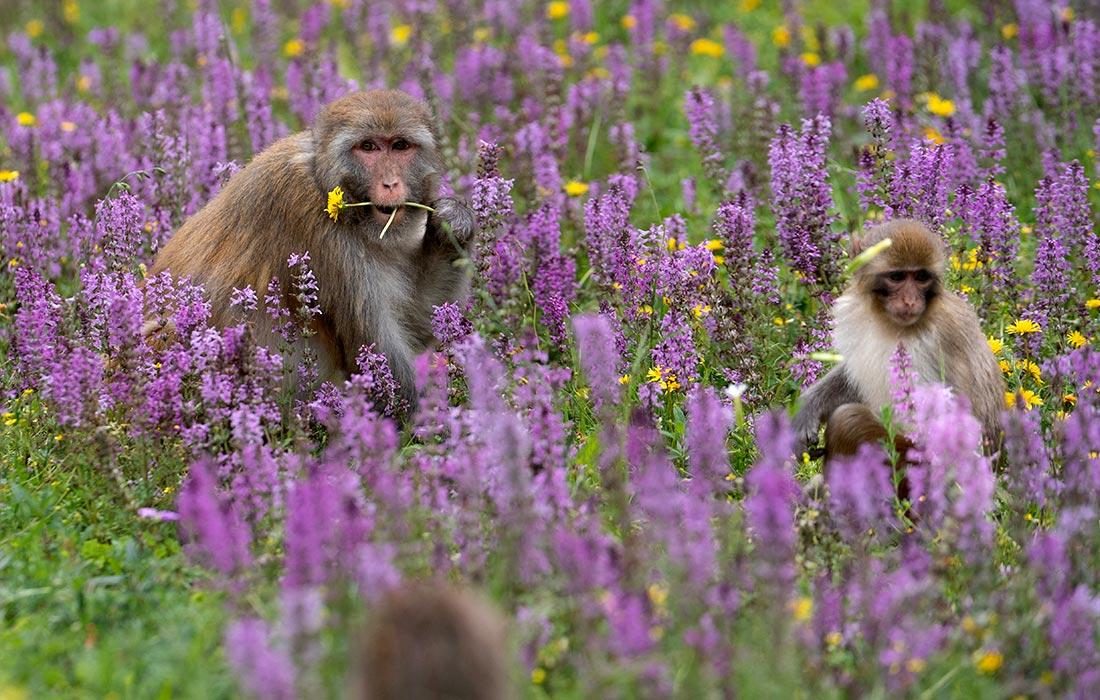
column 1029, row 367
column 1010, row 30
column 996, row 345
column 932, row 135
column 8, row 175
column 625, row 379
column 1031, row 399
column 683, row 22
column 557, row 10
column 294, row 47
column 1092, row 304
column 34, row 28
column 238, row 21
column 628, row 22
column 538, row 675
column 400, row 34
column 802, row 608
column 701, row 309
column 940, row 106
column 1076, row 339
column 653, row 375
column 590, row 38
column 658, row 595
column 713, row 244
column 781, row 36
column 749, row 5
column 834, row 639
column 482, row 34
column 707, row 47
column 335, row 202
column 1067, row 14
column 575, row 188
column 989, row 662
column 84, row 83
column 811, row 59
column 866, row 82
column 915, row 665
column 26, row 119
column 1022, row 326
column 71, row 11
column 674, row 244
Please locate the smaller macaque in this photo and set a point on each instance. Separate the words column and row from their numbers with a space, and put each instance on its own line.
column 380, row 268
column 431, row 642
column 898, row 297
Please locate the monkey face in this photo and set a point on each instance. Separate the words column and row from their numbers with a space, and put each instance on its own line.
column 904, row 294
column 388, row 163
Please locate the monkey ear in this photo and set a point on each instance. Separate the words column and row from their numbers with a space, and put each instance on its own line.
column 856, row 244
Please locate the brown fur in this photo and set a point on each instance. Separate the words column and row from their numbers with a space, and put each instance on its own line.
column 371, row 290
column 945, row 343
column 425, row 643
column 853, row 425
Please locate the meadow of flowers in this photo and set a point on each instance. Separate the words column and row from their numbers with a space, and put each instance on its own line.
column 664, row 192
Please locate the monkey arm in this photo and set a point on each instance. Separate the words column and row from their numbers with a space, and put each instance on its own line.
column 819, row 402
column 450, row 228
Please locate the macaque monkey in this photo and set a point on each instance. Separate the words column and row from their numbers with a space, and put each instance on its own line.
column 898, row 297
column 425, row 643
column 379, row 147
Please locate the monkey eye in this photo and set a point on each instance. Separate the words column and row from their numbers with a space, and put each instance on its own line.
column 897, row 276
column 368, row 146
column 401, row 145
column 923, row 276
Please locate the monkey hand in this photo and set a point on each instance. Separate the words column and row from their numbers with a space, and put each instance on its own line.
column 452, row 221
column 805, row 429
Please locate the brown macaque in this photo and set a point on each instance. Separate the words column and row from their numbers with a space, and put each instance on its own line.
column 853, row 425
column 899, row 297
column 428, row 642
column 378, row 146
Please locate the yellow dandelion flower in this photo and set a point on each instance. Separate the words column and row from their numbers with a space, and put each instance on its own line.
column 557, row 10
column 482, row 34
column 779, row 321
column 749, row 5
column 707, row 47
column 866, row 82
column 645, row 309
column 1029, row 397
column 294, row 47
column 834, row 639
column 1092, row 304
column 932, row 135
column 1076, row 339
column 683, row 22
column 335, row 202
column 811, row 59
column 701, row 309
column 575, row 188
column 718, row 259
column 399, row 35
column 713, row 244
column 1069, row 399
column 625, row 379
column 628, row 22
column 1022, row 326
column 538, row 674
column 939, row 106
column 26, row 119
column 34, row 28
column 653, row 375
column 802, row 608
column 989, row 662
column 781, row 36
column 1010, row 30
column 996, row 345
column 9, row 175
column 658, row 595
column 590, row 38
column 1029, row 367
